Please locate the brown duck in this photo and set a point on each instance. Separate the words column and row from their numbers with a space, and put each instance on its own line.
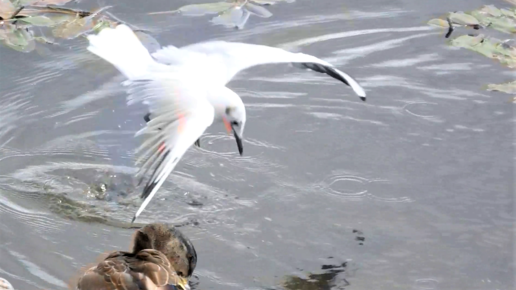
column 162, row 258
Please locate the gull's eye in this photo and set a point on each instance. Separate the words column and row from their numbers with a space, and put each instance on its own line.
column 228, row 110
column 235, row 123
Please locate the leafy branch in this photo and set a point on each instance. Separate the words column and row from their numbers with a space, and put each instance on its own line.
column 229, row 13
column 18, row 18
column 486, row 17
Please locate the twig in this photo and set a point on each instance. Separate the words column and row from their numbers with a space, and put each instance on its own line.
column 450, row 27
column 164, row 12
column 120, row 21
column 16, row 12
column 95, row 13
column 50, row 9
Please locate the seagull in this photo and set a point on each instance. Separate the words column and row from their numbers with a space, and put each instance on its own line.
column 161, row 256
column 185, row 89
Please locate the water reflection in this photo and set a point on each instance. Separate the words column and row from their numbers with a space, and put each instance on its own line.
column 331, row 278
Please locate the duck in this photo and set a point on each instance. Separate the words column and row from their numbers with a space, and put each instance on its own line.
column 5, row 285
column 162, row 258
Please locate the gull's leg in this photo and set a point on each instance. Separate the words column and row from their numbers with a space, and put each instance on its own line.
column 147, row 117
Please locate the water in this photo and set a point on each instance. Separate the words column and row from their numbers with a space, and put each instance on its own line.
column 411, row 190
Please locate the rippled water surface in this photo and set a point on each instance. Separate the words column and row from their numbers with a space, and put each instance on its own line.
column 411, row 190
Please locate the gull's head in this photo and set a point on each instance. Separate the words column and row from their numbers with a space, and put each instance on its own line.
column 234, row 119
column 229, row 108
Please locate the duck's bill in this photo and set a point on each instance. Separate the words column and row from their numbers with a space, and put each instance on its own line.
column 183, row 283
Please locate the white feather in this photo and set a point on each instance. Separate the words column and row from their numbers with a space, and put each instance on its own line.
column 185, row 89
column 122, row 48
column 184, row 114
column 221, row 61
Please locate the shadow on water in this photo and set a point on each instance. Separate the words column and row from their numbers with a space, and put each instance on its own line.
column 331, row 278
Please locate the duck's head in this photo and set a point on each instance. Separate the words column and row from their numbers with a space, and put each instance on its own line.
column 5, row 285
column 171, row 242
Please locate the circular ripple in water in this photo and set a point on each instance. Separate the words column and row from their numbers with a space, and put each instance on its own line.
column 354, row 187
column 345, row 185
column 422, row 110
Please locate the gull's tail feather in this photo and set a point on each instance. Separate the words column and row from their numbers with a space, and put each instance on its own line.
column 122, row 48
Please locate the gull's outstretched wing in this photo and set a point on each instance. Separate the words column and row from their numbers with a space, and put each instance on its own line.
column 172, row 55
column 220, row 61
column 181, row 113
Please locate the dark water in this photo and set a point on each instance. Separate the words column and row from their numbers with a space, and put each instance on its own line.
column 411, row 190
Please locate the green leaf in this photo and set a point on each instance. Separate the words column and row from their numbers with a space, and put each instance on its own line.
column 508, row 13
column 505, row 24
column 18, row 38
column 205, row 9
column 271, row 2
column 236, row 17
column 509, row 88
column 492, row 10
column 74, row 28
column 101, row 25
column 489, row 47
column 45, row 40
column 467, row 41
column 463, row 18
column 61, row 18
column 258, row 10
column 38, row 20
column 42, row 2
column 437, row 22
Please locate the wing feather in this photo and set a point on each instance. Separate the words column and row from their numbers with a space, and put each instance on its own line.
column 223, row 60
column 148, row 269
column 172, row 55
column 181, row 113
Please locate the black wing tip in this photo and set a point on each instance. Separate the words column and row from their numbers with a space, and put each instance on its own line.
column 329, row 70
column 152, row 183
column 363, row 98
column 134, row 218
column 147, row 190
